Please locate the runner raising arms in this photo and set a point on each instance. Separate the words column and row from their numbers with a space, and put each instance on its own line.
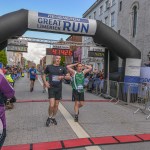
column 78, row 85
column 56, row 74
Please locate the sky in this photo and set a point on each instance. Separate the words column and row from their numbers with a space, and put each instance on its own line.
column 72, row 8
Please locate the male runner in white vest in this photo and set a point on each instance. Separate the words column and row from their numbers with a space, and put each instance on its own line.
column 78, row 85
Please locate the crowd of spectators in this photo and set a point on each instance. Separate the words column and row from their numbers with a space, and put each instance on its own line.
column 12, row 73
column 93, row 79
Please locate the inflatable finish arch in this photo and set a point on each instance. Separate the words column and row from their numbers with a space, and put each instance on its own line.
column 17, row 23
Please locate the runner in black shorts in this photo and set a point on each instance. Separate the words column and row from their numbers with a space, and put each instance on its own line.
column 32, row 75
column 78, row 85
column 56, row 73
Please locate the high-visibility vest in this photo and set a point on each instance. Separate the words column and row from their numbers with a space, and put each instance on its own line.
column 22, row 75
column 9, row 78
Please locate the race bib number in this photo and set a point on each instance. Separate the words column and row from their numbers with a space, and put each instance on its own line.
column 80, row 87
column 32, row 72
column 55, row 78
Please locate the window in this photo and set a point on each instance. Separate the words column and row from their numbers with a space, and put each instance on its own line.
column 94, row 14
column 120, row 6
column 101, row 10
column 134, row 20
column 89, row 17
column 113, row 2
column 113, row 19
column 107, row 5
column 106, row 20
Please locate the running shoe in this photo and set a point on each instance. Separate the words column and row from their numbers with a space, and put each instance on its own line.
column 76, row 118
column 54, row 121
column 48, row 121
column 31, row 89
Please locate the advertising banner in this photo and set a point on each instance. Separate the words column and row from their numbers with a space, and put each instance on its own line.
column 97, row 48
column 145, row 74
column 132, row 75
column 61, row 24
column 61, row 46
column 95, row 54
column 133, row 67
column 17, row 42
column 17, row 45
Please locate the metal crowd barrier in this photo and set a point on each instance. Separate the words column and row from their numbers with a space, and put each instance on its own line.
column 111, row 90
column 129, row 93
column 143, row 99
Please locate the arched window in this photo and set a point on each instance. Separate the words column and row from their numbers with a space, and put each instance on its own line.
column 134, row 20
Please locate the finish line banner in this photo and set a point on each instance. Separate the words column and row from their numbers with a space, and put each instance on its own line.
column 61, row 24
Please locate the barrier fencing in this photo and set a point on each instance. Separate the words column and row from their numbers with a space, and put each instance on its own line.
column 137, row 94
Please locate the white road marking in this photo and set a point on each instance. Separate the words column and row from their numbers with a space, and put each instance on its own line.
column 79, row 131
column 74, row 125
column 93, row 148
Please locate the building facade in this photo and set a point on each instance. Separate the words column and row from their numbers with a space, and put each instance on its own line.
column 107, row 12
column 14, row 58
column 43, row 61
column 76, row 50
column 78, row 54
column 30, row 64
column 134, row 24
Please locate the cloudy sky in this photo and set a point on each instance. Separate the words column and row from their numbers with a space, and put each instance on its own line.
column 36, row 51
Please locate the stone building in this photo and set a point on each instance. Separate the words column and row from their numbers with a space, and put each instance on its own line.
column 107, row 12
column 134, row 24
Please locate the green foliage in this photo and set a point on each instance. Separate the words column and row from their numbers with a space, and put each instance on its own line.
column 26, row 66
column 62, row 62
column 3, row 57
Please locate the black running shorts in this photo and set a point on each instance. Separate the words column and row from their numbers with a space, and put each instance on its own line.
column 78, row 96
column 31, row 79
column 55, row 93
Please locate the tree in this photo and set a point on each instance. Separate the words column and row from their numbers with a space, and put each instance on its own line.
column 3, row 57
column 62, row 62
